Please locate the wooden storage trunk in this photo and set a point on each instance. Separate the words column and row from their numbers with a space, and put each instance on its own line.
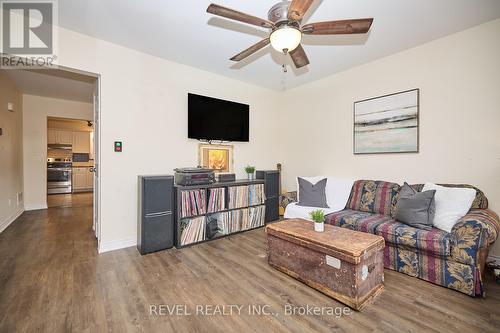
column 344, row 264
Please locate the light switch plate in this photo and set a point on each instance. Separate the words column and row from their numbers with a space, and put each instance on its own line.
column 10, row 107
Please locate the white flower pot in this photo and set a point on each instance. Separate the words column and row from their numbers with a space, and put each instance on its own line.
column 319, row 227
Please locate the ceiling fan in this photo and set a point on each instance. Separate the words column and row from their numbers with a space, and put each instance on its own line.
column 285, row 22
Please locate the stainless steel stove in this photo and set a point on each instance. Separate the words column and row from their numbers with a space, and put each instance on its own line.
column 59, row 173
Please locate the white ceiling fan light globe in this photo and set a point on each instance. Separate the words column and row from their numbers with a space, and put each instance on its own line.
column 286, row 38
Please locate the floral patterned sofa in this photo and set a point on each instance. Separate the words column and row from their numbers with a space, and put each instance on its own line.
column 454, row 260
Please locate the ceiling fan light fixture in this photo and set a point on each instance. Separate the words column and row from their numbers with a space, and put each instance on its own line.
column 285, row 39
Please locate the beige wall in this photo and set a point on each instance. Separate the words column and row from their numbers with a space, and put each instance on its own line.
column 144, row 104
column 309, row 129
column 11, row 175
column 459, row 81
column 36, row 110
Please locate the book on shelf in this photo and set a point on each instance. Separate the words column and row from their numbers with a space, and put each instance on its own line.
column 192, row 230
column 193, row 202
column 216, row 199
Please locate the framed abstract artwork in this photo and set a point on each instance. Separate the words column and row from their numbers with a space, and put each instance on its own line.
column 387, row 124
column 216, row 157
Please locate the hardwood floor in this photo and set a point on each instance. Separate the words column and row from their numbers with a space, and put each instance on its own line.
column 69, row 200
column 53, row 280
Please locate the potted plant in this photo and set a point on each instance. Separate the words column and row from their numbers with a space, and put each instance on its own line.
column 250, row 170
column 318, row 216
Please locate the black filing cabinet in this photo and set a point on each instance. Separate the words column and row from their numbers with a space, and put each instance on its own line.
column 272, row 188
column 155, row 225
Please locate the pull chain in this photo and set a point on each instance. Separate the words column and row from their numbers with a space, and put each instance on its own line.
column 285, row 52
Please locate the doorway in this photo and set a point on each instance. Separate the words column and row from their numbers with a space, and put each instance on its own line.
column 60, row 140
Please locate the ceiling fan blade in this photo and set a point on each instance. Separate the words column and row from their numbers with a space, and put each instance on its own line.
column 238, row 16
column 298, row 9
column 357, row 26
column 299, row 57
column 251, row 50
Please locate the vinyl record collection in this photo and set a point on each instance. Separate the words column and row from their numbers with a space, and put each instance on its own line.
column 216, row 199
column 237, row 218
column 193, row 203
column 256, row 217
column 192, row 230
column 238, row 196
column 226, row 210
column 222, row 222
column 256, row 195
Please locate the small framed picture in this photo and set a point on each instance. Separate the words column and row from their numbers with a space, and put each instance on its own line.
column 216, row 157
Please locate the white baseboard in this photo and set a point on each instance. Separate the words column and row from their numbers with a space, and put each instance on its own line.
column 117, row 244
column 5, row 223
column 35, row 207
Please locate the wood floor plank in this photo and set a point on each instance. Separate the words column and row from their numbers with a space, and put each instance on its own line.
column 53, row 280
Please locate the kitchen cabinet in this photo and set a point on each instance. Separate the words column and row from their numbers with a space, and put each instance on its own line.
column 81, row 142
column 83, row 179
column 51, row 136
column 65, row 137
column 59, row 137
column 90, row 179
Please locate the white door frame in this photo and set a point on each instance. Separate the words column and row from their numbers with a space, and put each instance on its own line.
column 97, row 147
column 97, row 162
column 96, row 218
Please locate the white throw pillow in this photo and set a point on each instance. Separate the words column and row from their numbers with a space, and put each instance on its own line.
column 452, row 203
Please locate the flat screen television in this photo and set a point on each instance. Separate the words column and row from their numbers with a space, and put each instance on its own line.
column 216, row 119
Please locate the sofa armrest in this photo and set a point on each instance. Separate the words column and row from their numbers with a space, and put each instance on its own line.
column 476, row 230
column 287, row 198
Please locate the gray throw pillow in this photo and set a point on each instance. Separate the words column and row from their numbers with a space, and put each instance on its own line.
column 416, row 208
column 312, row 195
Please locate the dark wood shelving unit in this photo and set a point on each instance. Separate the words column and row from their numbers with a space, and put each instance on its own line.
column 207, row 187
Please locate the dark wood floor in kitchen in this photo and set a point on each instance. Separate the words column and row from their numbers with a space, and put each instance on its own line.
column 53, row 280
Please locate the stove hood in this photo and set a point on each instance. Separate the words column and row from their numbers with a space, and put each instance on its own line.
column 59, row 146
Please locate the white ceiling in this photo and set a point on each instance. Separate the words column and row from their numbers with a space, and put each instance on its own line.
column 182, row 31
column 54, row 83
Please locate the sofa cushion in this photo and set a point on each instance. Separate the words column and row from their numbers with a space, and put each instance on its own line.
column 374, row 197
column 312, row 194
column 435, row 242
column 451, row 204
column 480, row 201
column 356, row 220
column 294, row 211
column 337, row 190
column 414, row 208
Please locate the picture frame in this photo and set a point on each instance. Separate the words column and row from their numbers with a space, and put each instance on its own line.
column 387, row 124
column 216, row 157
